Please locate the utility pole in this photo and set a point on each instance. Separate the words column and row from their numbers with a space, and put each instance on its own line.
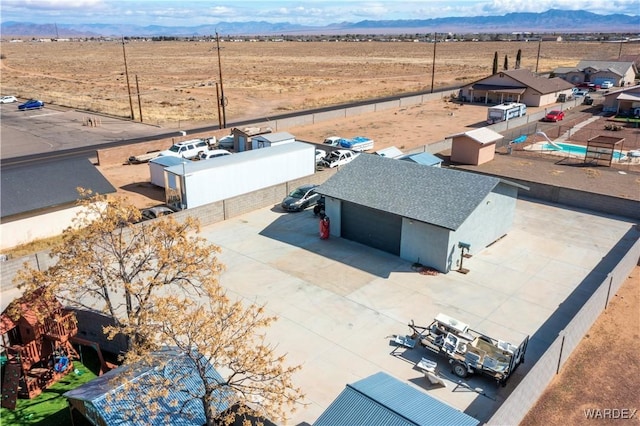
column 218, row 98
column 433, row 65
column 221, row 99
column 126, row 72
column 139, row 102
column 538, row 57
column 620, row 51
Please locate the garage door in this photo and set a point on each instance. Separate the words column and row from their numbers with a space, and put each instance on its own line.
column 373, row 228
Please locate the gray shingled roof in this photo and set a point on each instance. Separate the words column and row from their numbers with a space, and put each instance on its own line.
column 441, row 197
column 31, row 188
column 619, row 68
column 565, row 70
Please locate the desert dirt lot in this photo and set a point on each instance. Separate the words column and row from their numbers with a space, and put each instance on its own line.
column 177, row 89
column 177, row 80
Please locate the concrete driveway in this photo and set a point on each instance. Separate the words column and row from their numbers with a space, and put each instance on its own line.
column 339, row 303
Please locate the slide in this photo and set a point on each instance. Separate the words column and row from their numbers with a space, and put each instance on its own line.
column 104, row 365
column 520, row 139
column 549, row 141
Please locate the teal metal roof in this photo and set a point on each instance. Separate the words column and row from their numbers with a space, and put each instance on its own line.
column 106, row 398
column 381, row 399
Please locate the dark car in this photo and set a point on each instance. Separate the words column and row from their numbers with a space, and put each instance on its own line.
column 156, row 212
column 301, row 198
column 31, row 104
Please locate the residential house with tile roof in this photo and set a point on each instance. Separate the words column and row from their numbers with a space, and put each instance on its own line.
column 619, row 73
column 623, row 101
column 518, row 85
column 417, row 212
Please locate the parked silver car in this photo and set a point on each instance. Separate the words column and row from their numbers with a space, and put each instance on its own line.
column 301, row 198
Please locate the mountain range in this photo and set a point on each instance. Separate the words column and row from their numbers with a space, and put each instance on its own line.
column 551, row 21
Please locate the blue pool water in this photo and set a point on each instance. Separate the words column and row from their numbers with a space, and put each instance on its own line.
column 575, row 149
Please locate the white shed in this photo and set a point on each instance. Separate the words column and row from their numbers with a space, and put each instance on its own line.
column 271, row 139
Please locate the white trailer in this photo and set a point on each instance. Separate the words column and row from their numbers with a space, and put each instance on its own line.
column 358, row 143
column 157, row 166
column 470, row 351
column 198, row 183
column 505, row 112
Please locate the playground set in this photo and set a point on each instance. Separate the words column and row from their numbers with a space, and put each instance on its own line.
column 37, row 346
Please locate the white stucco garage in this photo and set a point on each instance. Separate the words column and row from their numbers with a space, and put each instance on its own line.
column 422, row 214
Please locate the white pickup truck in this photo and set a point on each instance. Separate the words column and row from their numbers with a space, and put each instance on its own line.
column 339, row 157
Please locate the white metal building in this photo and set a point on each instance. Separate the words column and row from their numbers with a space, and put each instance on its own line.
column 202, row 182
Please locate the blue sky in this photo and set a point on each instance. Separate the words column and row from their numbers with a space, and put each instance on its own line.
column 311, row 12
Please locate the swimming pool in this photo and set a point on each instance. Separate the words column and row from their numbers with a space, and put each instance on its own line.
column 576, row 150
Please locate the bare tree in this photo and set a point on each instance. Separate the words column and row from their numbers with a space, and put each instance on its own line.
column 229, row 335
column 158, row 281
column 109, row 263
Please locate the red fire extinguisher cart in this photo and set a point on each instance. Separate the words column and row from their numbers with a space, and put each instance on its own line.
column 325, row 227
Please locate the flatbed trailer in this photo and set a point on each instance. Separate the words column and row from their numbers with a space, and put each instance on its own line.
column 469, row 351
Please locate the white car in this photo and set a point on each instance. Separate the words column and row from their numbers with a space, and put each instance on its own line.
column 332, row 141
column 8, row 99
column 339, row 157
column 214, row 153
column 606, row 85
